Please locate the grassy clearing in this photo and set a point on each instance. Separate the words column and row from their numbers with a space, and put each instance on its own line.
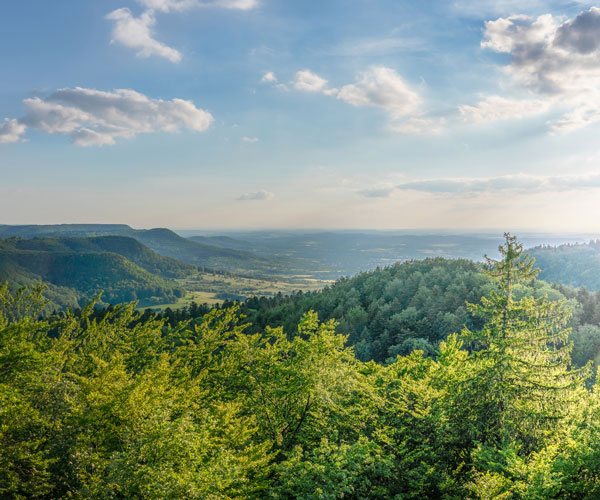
column 216, row 288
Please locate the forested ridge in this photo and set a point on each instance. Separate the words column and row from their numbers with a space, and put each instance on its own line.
column 407, row 306
column 79, row 268
column 164, row 242
column 120, row 405
column 571, row 264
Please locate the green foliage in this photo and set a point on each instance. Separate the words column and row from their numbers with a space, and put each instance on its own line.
column 522, row 383
column 122, row 406
column 79, row 268
column 577, row 265
column 330, row 471
column 389, row 311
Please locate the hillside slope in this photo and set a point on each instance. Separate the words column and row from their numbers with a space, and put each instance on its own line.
column 79, row 274
column 391, row 311
column 576, row 265
column 127, row 247
column 166, row 243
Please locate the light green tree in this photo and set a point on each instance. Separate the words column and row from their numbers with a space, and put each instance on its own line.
column 523, row 388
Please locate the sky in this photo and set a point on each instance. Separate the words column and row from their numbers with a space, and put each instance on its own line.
column 230, row 114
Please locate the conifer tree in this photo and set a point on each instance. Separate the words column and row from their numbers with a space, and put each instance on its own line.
column 523, row 387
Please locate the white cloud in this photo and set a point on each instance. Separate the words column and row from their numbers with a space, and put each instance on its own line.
column 310, row 82
column 557, row 59
column 136, row 33
column 168, row 5
column 182, row 5
column 379, row 87
column 95, row 118
column 269, row 77
column 382, row 87
column 235, row 4
column 516, row 183
column 496, row 107
column 250, row 139
column 257, row 195
column 419, row 125
column 11, row 130
column 579, row 117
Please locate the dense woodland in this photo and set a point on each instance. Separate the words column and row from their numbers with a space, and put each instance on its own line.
column 79, row 268
column 163, row 242
column 118, row 405
column 572, row 264
column 407, row 306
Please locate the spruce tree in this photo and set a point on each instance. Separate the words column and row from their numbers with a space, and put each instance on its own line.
column 523, row 387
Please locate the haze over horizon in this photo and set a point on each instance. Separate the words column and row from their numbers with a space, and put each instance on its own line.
column 255, row 114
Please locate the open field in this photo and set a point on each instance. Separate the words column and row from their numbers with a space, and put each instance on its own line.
column 216, row 288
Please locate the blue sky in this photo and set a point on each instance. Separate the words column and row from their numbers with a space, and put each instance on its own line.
column 271, row 114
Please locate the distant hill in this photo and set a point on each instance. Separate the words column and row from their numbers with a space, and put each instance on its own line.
column 348, row 252
column 164, row 242
column 127, row 247
column 32, row 230
column 228, row 242
column 79, row 268
column 576, row 264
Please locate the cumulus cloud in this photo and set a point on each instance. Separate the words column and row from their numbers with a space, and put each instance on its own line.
column 382, row 87
column 269, row 77
column 581, row 34
column 310, row 82
column 136, row 33
column 250, row 139
column 257, row 195
column 96, row 118
column 555, row 58
column 379, row 87
column 497, row 107
column 11, row 130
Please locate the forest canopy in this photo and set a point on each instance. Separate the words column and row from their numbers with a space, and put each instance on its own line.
column 123, row 407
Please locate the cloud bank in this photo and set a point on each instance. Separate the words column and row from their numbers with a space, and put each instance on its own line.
column 96, row 118
column 520, row 183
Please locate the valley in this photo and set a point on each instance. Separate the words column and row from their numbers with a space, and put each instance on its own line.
column 161, row 268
